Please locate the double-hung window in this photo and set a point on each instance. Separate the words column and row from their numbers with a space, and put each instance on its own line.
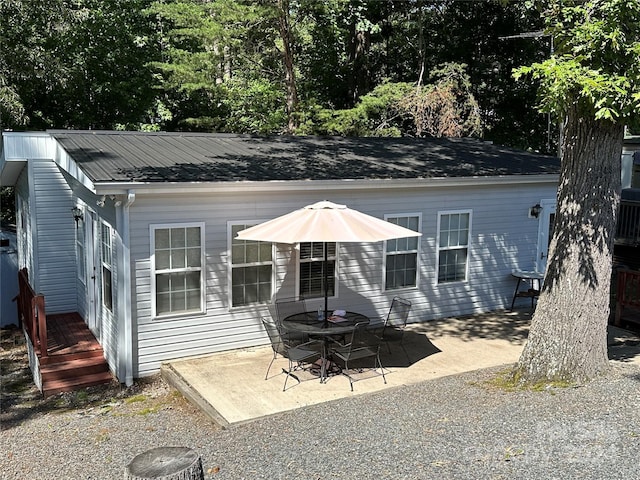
column 177, row 266
column 401, row 255
column 312, row 269
column 454, row 230
column 251, row 269
column 106, row 254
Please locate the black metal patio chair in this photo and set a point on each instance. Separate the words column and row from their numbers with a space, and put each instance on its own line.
column 363, row 344
column 277, row 343
column 396, row 323
column 283, row 308
column 300, row 355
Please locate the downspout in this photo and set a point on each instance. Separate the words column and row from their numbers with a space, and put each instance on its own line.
column 125, row 306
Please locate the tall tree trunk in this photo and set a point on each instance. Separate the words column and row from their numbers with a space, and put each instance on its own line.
column 421, row 45
column 289, row 72
column 568, row 336
column 359, row 78
column 219, row 63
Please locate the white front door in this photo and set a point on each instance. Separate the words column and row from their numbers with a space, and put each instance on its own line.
column 93, row 272
column 546, row 222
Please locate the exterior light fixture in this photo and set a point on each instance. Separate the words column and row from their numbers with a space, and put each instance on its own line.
column 535, row 210
column 77, row 214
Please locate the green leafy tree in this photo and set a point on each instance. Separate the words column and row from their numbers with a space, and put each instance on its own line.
column 444, row 108
column 74, row 64
column 377, row 114
column 593, row 81
column 26, row 67
column 221, row 65
column 102, row 50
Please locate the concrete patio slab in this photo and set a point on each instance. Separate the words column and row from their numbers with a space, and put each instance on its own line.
column 231, row 387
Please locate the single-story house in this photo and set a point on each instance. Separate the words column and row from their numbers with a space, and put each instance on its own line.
column 136, row 231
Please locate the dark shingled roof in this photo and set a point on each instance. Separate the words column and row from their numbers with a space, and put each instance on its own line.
column 196, row 157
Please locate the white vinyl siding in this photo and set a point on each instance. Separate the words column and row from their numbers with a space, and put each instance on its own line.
column 501, row 239
column 454, row 230
column 401, row 254
column 53, row 227
column 251, row 269
column 177, row 259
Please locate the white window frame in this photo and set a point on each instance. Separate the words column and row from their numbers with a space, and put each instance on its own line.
column 154, row 272
column 336, row 276
column 387, row 217
column 106, row 248
column 231, row 265
column 466, row 247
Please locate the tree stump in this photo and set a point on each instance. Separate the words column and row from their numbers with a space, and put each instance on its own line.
column 166, row 463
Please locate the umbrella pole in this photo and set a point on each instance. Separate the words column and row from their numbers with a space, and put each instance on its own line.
column 326, row 286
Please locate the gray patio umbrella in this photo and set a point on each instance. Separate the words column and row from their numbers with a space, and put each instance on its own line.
column 325, row 222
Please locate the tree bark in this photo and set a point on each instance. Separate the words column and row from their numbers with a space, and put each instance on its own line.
column 289, row 71
column 568, row 335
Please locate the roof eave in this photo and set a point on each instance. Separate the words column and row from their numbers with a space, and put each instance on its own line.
column 121, row 188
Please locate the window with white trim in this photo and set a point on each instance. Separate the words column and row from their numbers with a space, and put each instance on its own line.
column 80, row 255
column 401, row 255
column 177, row 268
column 106, row 257
column 251, row 269
column 312, row 269
column 454, row 230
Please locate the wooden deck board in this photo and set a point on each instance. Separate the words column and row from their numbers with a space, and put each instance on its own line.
column 74, row 357
column 67, row 333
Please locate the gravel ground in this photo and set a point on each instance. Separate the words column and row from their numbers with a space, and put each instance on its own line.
column 458, row 427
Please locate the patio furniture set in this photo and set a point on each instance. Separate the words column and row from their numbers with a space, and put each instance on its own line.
column 316, row 340
column 331, row 344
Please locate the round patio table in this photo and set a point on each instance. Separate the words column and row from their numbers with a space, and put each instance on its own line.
column 308, row 322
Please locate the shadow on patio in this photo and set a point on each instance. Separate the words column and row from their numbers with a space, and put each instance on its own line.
column 231, row 387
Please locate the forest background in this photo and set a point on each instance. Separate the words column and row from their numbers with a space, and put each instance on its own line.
column 309, row 67
column 225, row 66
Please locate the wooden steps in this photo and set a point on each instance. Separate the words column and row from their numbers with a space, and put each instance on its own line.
column 65, row 375
column 72, row 384
column 75, row 358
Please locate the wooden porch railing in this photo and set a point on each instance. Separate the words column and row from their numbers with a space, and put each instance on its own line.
column 628, row 228
column 628, row 292
column 31, row 313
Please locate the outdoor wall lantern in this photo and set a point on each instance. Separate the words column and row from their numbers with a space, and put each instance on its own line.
column 77, row 214
column 535, row 210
